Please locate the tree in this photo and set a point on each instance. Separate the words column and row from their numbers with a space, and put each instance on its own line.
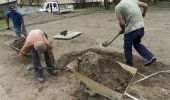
column 31, row 2
column 106, row 4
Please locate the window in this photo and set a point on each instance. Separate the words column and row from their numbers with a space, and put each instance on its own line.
column 54, row 5
column 47, row 6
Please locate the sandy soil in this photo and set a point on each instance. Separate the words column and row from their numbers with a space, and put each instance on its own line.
column 16, row 83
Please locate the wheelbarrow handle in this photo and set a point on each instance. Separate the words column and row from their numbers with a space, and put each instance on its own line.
column 151, row 75
column 11, row 29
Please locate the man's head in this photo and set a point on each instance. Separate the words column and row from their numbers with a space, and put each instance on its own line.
column 12, row 8
column 40, row 47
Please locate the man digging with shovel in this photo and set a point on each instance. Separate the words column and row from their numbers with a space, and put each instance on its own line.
column 37, row 43
column 132, row 24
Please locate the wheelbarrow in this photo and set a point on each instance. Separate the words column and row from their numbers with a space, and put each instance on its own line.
column 16, row 44
column 99, row 88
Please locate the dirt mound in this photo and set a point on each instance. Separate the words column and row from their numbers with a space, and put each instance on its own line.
column 102, row 68
column 104, row 71
column 96, row 63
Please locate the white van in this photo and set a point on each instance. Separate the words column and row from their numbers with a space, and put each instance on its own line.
column 54, row 7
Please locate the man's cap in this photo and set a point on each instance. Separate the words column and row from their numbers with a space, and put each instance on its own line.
column 12, row 8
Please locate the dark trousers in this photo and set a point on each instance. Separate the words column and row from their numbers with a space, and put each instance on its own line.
column 134, row 38
column 36, row 60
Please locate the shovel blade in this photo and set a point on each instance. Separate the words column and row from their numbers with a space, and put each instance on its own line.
column 104, row 44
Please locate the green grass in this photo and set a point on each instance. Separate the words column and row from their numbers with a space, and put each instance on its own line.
column 88, row 10
column 3, row 23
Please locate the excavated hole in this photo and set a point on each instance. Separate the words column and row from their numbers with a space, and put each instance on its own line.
column 100, row 66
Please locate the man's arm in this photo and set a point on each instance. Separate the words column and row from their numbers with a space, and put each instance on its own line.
column 49, row 51
column 7, row 22
column 49, row 48
column 22, row 24
column 51, row 56
column 144, row 6
column 22, row 21
column 23, row 52
column 7, row 19
column 122, row 24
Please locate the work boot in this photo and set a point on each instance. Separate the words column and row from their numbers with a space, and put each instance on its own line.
column 52, row 70
column 149, row 62
column 39, row 75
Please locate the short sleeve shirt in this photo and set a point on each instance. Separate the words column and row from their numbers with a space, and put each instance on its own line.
column 16, row 18
column 131, row 13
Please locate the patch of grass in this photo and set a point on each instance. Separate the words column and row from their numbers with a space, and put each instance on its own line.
column 3, row 23
column 88, row 10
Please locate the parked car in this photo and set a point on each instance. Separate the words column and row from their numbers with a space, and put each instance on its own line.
column 54, row 7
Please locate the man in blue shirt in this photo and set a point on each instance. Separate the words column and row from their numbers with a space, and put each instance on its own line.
column 18, row 22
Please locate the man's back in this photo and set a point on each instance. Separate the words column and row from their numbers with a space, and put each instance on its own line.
column 131, row 13
column 36, row 35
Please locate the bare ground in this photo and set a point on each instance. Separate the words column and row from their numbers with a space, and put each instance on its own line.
column 16, row 83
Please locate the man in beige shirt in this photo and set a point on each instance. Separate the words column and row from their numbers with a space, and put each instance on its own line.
column 37, row 43
column 131, row 22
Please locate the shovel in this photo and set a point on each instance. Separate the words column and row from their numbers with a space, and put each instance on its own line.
column 106, row 43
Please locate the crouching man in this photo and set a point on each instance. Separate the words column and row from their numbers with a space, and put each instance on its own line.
column 37, row 43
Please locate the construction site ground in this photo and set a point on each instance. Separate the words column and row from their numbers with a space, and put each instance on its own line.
column 16, row 83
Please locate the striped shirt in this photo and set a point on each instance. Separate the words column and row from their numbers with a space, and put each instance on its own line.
column 131, row 14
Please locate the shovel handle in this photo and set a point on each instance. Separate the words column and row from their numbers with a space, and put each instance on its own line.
column 132, row 97
column 151, row 75
column 113, row 38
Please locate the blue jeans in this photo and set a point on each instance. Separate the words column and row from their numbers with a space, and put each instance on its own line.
column 20, row 31
column 134, row 38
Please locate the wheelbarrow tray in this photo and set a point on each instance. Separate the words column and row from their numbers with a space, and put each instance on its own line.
column 99, row 88
column 16, row 44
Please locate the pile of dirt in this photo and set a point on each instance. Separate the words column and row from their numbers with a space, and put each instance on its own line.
column 104, row 71
column 100, row 66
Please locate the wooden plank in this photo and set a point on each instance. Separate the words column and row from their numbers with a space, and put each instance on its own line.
column 70, row 35
column 130, row 69
column 98, row 88
column 14, row 48
column 93, row 85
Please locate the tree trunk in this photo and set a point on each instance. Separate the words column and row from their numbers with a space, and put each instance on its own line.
column 106, row 4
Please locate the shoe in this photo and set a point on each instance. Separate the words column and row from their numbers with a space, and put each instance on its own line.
column 29, row 67
column 52, row 71
column 39, row 76
column 150, row 61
